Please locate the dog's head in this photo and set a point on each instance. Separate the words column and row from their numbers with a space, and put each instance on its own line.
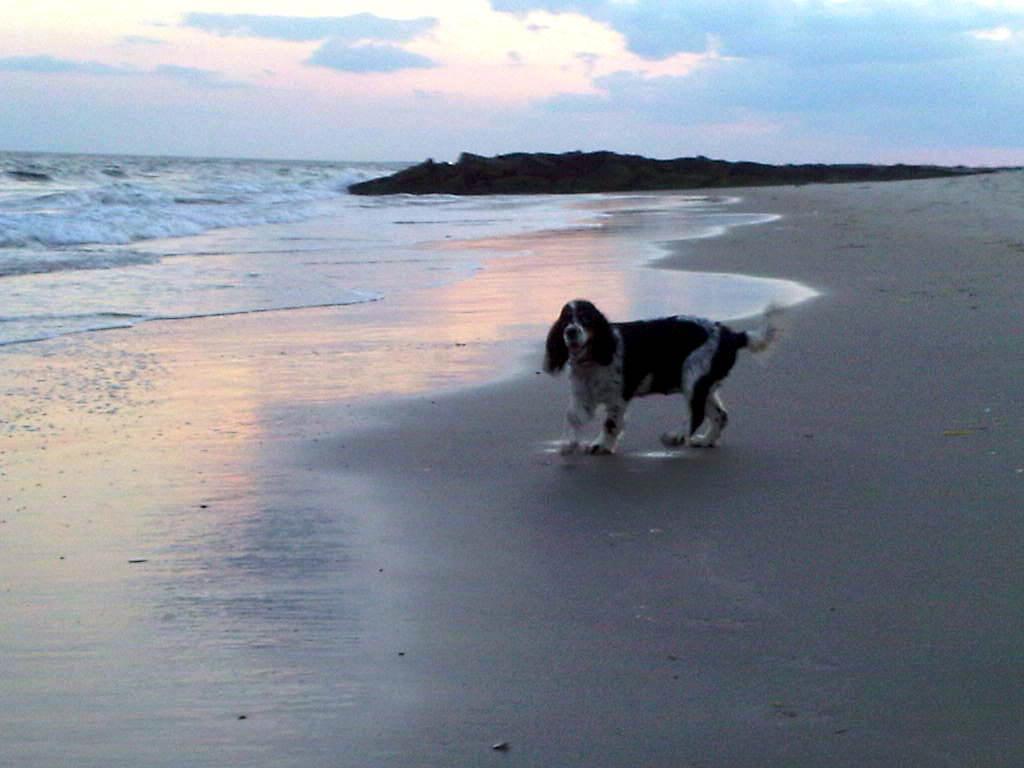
column 581, row 334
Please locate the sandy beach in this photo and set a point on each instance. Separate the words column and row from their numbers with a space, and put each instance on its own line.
column 232, row 542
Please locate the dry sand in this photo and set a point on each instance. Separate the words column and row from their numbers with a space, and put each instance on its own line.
column 407, row 581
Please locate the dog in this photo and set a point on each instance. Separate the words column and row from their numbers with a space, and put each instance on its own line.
column 612, row 363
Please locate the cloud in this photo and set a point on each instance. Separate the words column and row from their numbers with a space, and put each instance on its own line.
column 362, row 43
column 815, row 32
column 194, row 76
column 343, row 29
column 48, row 65
column 51, row 65
column 367, row 58
column 141, row 40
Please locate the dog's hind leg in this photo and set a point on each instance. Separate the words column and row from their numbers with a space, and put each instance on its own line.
column 717, row 418
column 679, row 438
column 700, row 400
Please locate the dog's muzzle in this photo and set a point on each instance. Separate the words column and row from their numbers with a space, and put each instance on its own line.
column 574, row 337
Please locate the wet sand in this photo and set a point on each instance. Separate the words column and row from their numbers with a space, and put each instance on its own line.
column 411, row 578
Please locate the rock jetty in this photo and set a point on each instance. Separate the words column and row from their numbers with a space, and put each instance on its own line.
column 574, row 172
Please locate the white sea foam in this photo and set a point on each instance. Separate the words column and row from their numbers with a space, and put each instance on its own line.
column 55, row 205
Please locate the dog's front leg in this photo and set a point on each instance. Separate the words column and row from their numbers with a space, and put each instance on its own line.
column 576, row 418
column 610, row 431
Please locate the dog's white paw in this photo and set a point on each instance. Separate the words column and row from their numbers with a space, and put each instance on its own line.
column 703, row 442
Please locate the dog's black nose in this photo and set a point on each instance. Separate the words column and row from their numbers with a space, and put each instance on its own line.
column 572, row 332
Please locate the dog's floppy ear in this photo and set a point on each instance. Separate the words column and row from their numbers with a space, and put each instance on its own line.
column 556, row 354
column 602, row 343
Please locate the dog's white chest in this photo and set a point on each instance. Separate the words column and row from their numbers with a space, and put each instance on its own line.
column 598, row 384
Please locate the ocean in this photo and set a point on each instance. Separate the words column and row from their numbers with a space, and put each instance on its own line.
column 90, row 242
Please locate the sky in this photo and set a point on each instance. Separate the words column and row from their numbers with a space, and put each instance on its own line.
column 768, row 80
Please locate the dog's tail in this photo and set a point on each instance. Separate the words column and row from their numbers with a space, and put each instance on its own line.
column 771, row 329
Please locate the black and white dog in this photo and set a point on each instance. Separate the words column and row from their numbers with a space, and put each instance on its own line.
column 611, row 363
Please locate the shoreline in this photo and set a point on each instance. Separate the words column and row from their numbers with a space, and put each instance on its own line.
column 411, row 580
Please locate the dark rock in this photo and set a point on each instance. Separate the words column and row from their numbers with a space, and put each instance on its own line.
column 580, row 172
